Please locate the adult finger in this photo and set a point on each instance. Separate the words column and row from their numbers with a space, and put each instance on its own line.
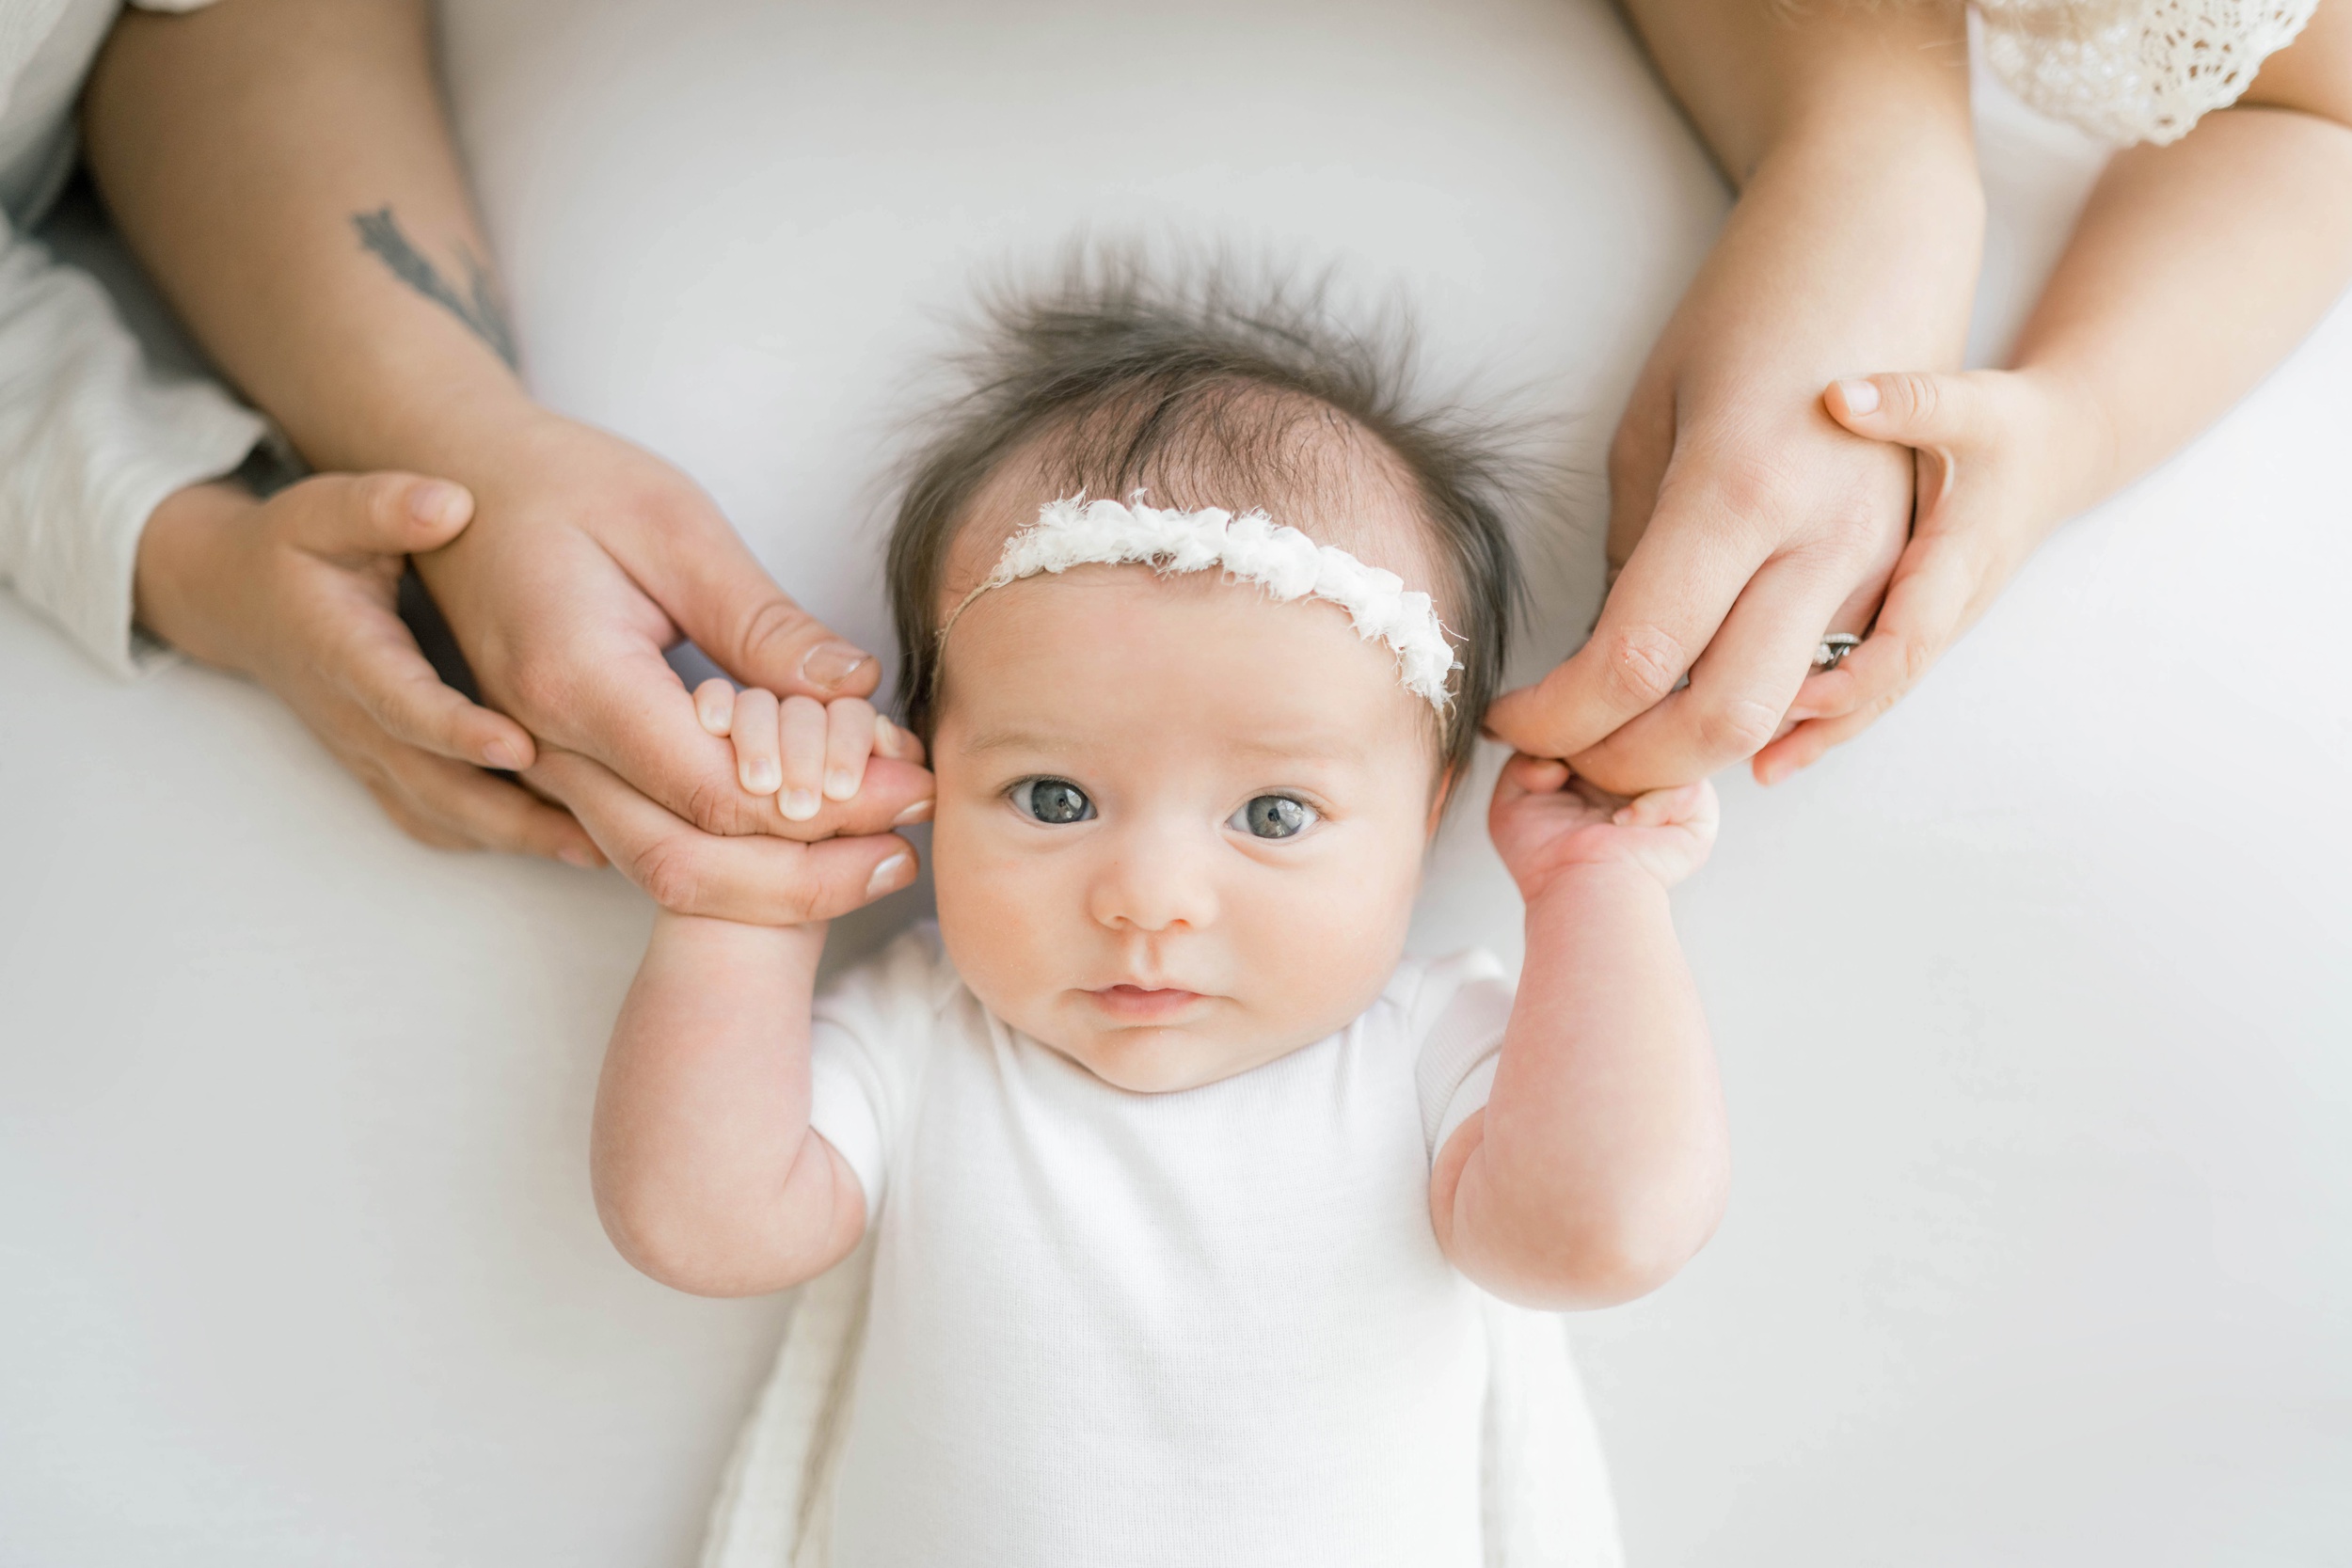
column 378, row 513
column 1739, row 688
column 487, row 813
column 1700, row 551
column 373, row 660
column 1937, row 585
column 1923, row 410
column 764, row 881
column 720, row 596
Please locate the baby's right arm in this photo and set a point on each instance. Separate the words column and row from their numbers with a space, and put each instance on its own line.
column 707, row 1174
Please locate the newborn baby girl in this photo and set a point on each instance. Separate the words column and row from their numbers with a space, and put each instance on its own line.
column 1189, row 1196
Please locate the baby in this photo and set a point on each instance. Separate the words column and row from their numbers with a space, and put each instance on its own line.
column 1190, row 1196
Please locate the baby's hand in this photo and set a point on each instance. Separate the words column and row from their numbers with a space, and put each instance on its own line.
column 802, row 751
column 1545, row 819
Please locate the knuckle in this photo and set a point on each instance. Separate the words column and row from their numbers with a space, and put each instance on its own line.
column 1642, row 664
column 711, row 802
column 1739, row 727
column 1921, row 397
column 772, row 626
column 670, row 871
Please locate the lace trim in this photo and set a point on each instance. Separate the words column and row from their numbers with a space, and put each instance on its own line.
column 2134, row 70
column 1250, row 548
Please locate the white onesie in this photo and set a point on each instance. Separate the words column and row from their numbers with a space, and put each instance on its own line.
column 1208, row 1326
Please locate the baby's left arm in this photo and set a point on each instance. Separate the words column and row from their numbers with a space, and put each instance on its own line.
column 1599, row 1166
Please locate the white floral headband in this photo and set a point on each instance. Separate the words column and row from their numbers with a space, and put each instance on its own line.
column 1251, row 547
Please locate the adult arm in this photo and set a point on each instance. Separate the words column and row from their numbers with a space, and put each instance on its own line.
column 1746, row 520
column 285, row 170
column 2194, row 269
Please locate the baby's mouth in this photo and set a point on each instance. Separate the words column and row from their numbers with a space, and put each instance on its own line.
column 1144, row 1003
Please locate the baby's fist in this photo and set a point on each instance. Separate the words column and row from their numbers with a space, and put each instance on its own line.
column 1545, row 819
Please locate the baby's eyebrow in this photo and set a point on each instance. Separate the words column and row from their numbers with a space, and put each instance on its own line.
column 1291, row 748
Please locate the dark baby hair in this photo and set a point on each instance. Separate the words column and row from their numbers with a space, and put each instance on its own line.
column 1204, row 388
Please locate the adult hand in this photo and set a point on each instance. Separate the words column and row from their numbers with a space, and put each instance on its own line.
column 590, row 556
column 1747, row 524
column 2002, row 458
column 298, row 593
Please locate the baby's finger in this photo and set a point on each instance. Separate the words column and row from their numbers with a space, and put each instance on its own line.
column 714, row 704
column 849, row 736
column 375, row 663
column 803, row 726
column 899, row 745
column 1659, row 808
column 1534, row 775
column 758, row 763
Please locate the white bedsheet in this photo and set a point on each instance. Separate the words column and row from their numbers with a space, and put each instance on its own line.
column 2033, row 1005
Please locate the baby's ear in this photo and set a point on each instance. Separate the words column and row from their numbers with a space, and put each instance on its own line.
column 1440, row 796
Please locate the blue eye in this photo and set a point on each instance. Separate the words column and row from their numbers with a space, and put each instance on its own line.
column 1274, row 816
column 1055, row 800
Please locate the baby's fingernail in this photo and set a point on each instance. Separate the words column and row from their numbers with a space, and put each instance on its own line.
column 919, row 812
column 436, row 502
column 885, row 736
column 840, row 784
column 886, row 876
column 828, row 664
column 572, row 854
column 764, row 776
column 1861, row 397
column 799, row 805
column 499, row 754
column 1622, row 815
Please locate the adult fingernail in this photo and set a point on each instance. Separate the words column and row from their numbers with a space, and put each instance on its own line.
column 1861, row 397
column 572, row 854
column 919, row 812
column 840, row 784
column 435, row 502
column 886, row 876
column 498, row 753
column 799, row 805
column 828, row 664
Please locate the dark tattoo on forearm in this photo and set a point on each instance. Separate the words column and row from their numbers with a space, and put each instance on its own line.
column 478, row 306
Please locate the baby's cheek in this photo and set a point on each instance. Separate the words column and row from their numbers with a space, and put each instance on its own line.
column 1000, row 915
column 1323, row 945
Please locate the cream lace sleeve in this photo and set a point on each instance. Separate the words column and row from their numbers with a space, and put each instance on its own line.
column 2134, row 70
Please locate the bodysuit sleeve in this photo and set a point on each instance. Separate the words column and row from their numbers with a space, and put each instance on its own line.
column 872, row 1027
column 1457, row 1012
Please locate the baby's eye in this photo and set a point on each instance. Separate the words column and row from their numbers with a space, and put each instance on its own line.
column 1273, row 816
column 1055, row 800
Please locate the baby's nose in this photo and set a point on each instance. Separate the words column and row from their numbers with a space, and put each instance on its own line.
column 1153, row 879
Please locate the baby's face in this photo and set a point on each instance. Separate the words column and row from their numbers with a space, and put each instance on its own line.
column 1180, row 827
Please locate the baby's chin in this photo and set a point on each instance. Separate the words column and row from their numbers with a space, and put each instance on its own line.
column 1159, row 1058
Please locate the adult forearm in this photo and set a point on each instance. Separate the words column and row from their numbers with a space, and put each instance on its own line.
column 284, row 169
column 2195, row 268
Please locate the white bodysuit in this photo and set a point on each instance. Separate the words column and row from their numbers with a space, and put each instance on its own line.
column 1207, row 1327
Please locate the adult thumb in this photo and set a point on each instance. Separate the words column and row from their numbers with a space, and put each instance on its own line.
column 1911, row 408
column 378, row 514
column 724, row 600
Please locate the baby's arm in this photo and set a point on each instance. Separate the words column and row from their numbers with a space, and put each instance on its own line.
column 1598, row 1164
column 707, row 1174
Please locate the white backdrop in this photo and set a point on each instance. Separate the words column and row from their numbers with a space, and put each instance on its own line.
column 2033, row 1005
